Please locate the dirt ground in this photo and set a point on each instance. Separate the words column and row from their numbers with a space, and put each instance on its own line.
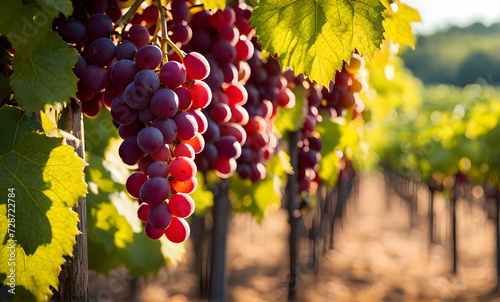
column 377, row 257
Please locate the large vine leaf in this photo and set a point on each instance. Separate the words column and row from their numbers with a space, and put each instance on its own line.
column 315, row 37
column 256, row 199
column 43, row 62
column 397, row 23
column 48, row 180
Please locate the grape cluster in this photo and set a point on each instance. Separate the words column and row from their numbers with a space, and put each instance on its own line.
column 349, row 83
column 155, row 105
column 160, row 119
column 224, row 38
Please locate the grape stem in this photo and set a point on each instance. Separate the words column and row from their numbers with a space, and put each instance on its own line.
column 130, row 13
column 158, row 22
column 164, row 38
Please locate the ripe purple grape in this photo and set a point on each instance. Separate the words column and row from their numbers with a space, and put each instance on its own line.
column 150, row 140
column 173, row 74
column 159, row 216
column 155, row 190
column 168, row 129
column 165, row 103
column 148, row 57
column 98, row 26
column 147, row 82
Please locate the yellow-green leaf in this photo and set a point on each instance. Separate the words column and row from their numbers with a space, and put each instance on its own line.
column 47, row 179
column 397, row 23
column 315, row 37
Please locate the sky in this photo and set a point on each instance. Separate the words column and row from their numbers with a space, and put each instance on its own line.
column 440, row 14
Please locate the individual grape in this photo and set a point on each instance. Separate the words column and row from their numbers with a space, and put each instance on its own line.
column 150, row 140
column 308, row 159
column 158, row 169
column 98, row 6
column 167, row 127
column 146, row 115
column 155, row 190
column 315, row 143
column 355, row 64
column 237, row 94
column 123, row 73
column 197, row 67
column 160, row 216
column 244, row 26
column 223, row 51
column 153, row 233
column 83, row 94
column 347, row 100
column 102, row 51
column 187, row 187
column 184, row 149
column 134, row 99
column 135, row 182
column 228, row 147
column 184, row 96
column 148, row 57
column 128, row 130
column 186, row 125
column 213, row 132
column 220, row 113
column 139, row 35
column 201, row 20
column 182, row 168
column 201, row 41
column 147, row 82
column 125, row 51
column 234, row 130
column 197, row 142
column 144, row 162
column 179, row 10
column 223, row 18
column 201, row 94
column 173, row 74
column 114, row 12
column 230, row 34
column 121, row 112
column 93, row 106
column 165, row 103
column 178, row 231
column 181, row 205
column 94, row 78
column 71, row 30
column 286, row 98
column 201, row 119
column 230, row 73
column 180, row 33
column 129, row 151
column 225, row 166
column 162, row 154
column 80, row 65
column 244, row 49
column 98, row 26
column 110, row 93
column 143, row 212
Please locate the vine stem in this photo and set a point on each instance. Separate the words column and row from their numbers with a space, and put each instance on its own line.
column 165, row 40
column 158, row 22
column 130, row 13
column 163, row 18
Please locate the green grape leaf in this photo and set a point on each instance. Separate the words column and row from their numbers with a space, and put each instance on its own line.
column 43, row 75
column 329, row 169
column 63, row 6
column 315, row 37
column 43, row 62
column 292, row 119
column 279, row 164
column 48, row 180
column 330, row 134
column 397, row 23
column 255, row 198
column 214, row 4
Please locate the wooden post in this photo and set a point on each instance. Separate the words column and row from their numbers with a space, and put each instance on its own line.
column 431, row 216
column 454, row 226
column 497, row 237
column 293, row 213
column 73, row 280
column 220, row 214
